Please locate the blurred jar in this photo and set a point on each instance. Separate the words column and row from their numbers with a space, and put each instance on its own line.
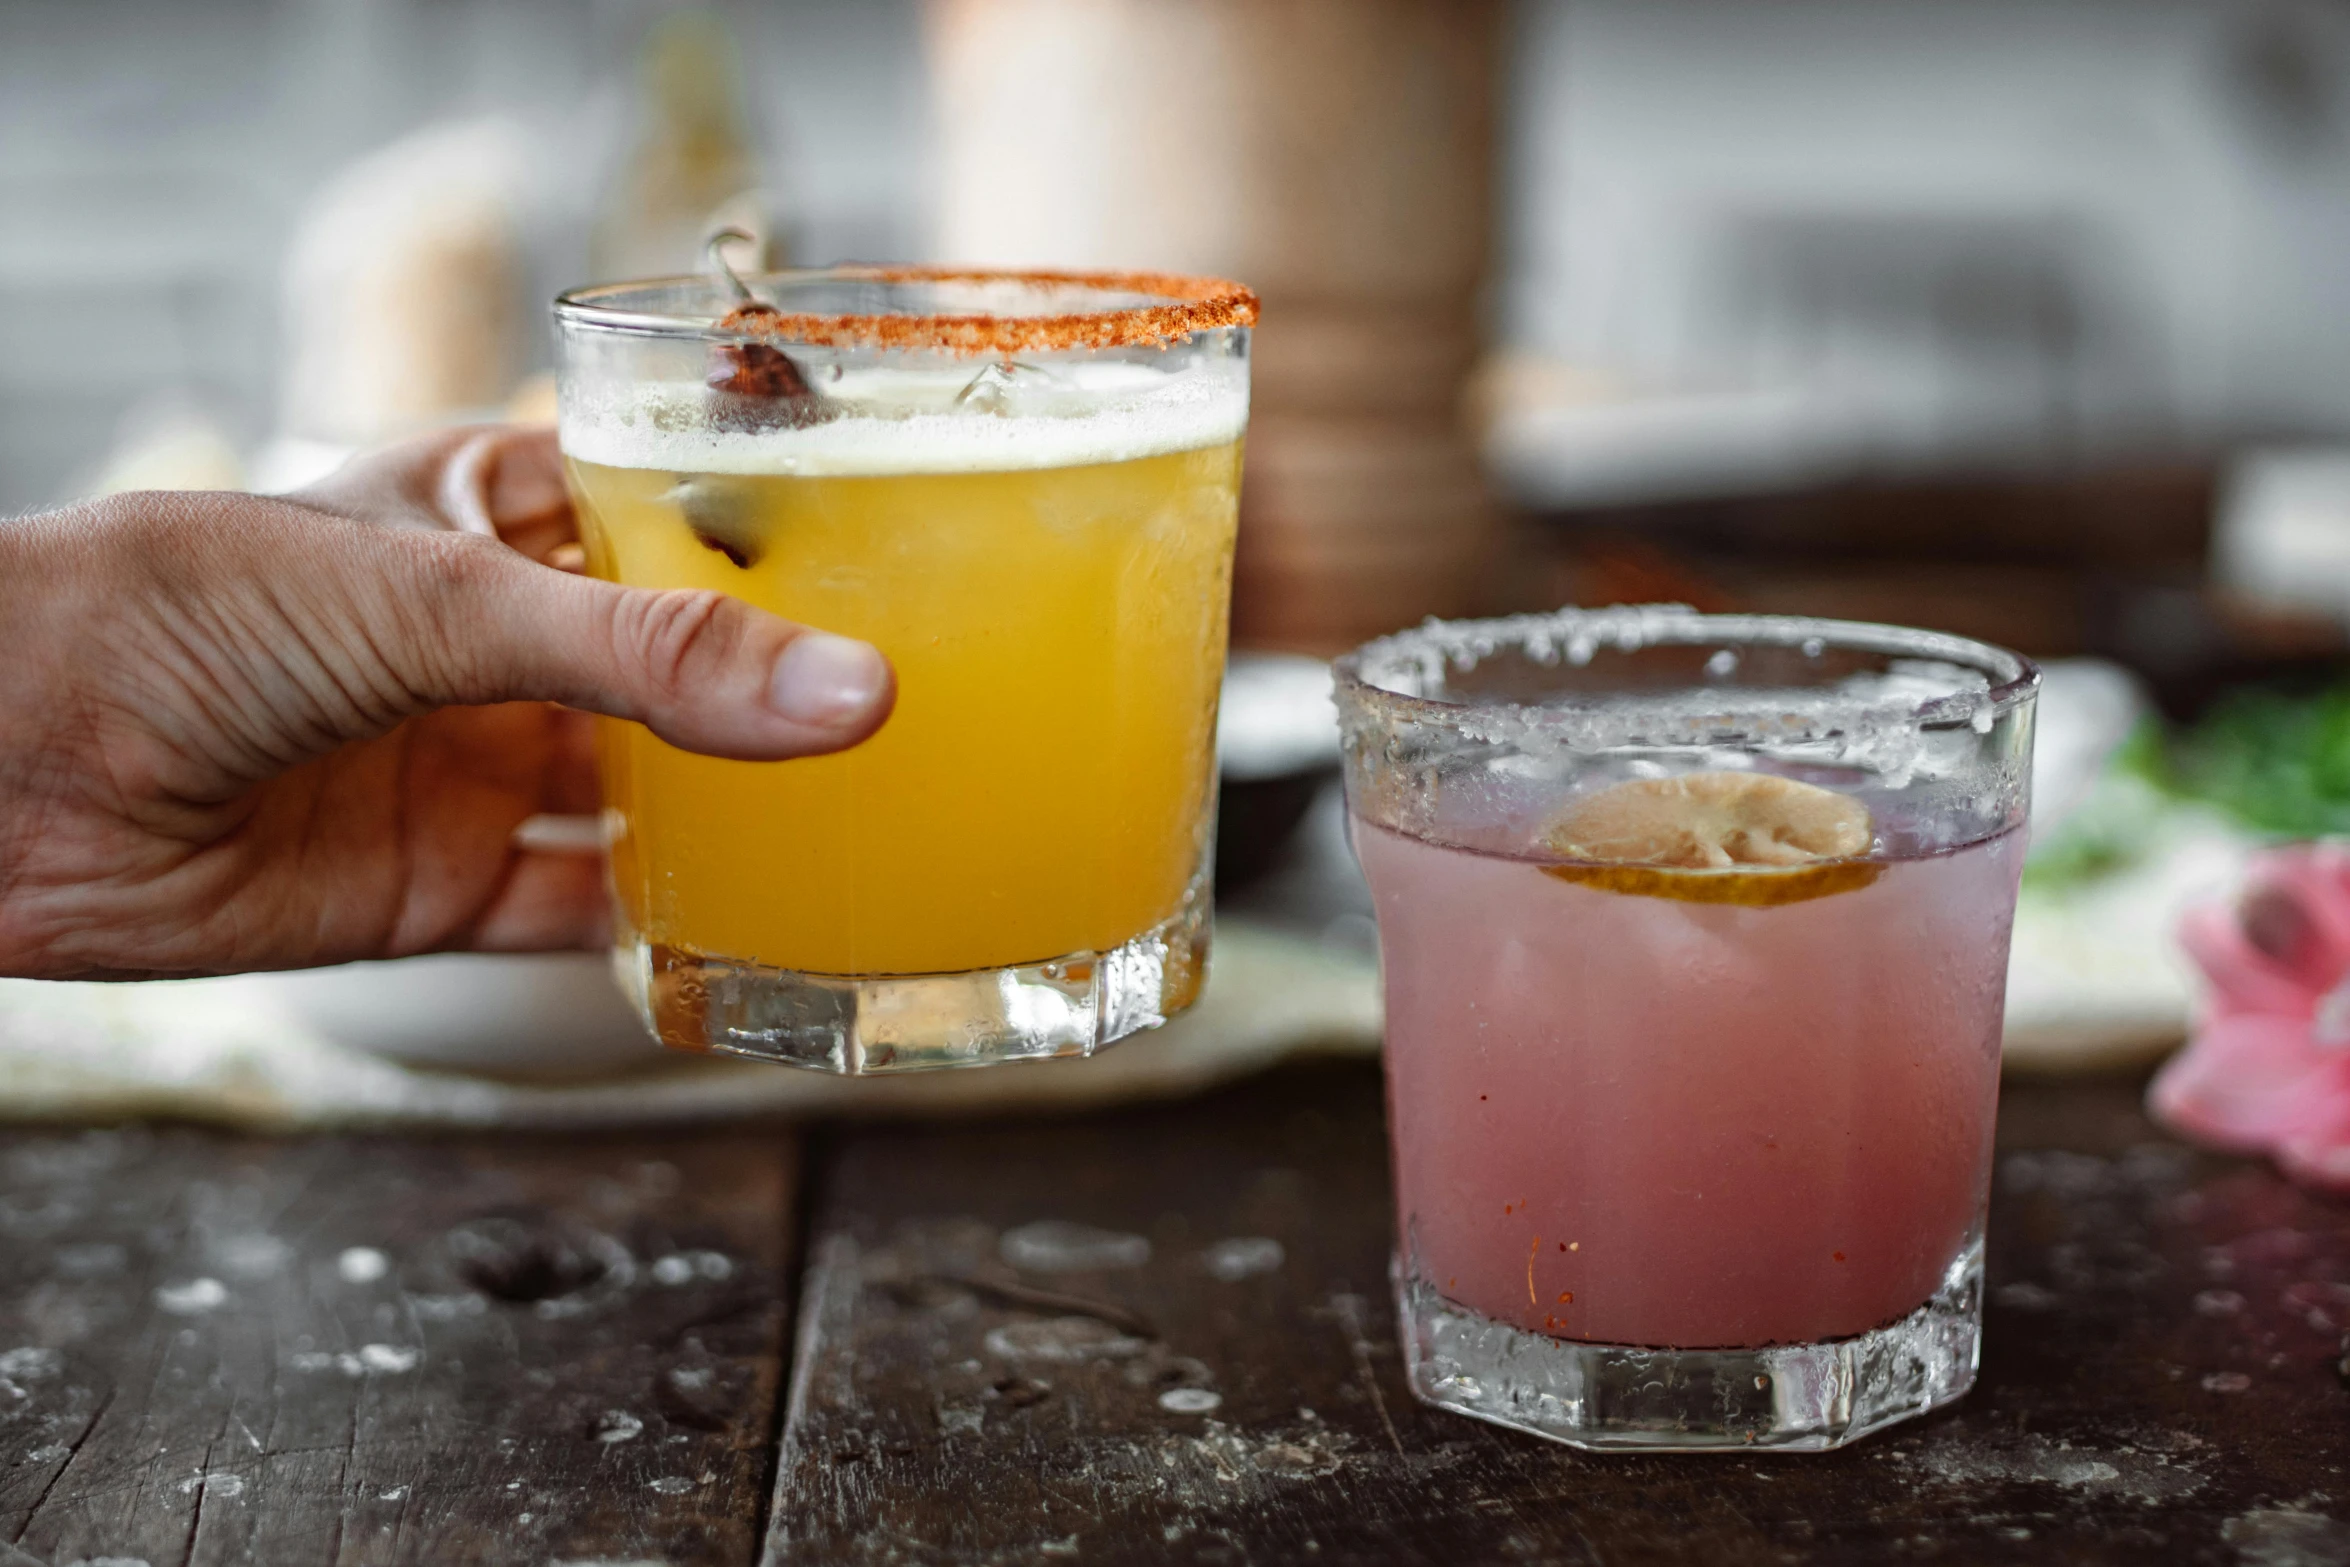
column 1336, row 155
column 406, row 289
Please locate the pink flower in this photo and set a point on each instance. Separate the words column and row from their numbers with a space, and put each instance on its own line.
column 2268, row 1070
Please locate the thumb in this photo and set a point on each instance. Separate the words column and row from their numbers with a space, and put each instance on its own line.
column 477, row 622
column 703, row 671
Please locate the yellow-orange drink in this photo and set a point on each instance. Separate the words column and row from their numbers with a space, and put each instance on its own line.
column 1042, row 788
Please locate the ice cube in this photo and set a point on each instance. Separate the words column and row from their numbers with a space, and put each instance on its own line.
column 1007, row 387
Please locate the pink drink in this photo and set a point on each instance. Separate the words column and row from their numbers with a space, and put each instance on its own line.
column 1644, row 1121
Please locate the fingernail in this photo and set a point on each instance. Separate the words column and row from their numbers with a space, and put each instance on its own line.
column 827, row 680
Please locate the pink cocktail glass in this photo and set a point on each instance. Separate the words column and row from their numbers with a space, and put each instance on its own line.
column 1689, row 1156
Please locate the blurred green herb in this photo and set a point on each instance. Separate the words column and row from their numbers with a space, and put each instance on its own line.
column 2277, row 761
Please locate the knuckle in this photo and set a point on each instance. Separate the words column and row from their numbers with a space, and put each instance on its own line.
column 676, row 637
column 159, row 554
column 454, row 576
column 453, row 582
column 455, row 566
column 152, row 528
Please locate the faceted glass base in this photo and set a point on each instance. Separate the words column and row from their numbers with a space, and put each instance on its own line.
column 1791, row 1397
column 856, row 1024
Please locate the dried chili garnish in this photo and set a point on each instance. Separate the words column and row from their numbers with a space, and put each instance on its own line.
column 735, row 554
column 754, row 369
column 755, row 385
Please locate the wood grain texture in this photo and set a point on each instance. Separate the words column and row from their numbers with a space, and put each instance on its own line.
column 219, row 1350
column 1164, row 1337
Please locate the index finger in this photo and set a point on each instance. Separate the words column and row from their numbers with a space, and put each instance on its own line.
column 507, row 482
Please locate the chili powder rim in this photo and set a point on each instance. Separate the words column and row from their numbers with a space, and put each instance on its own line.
column 1182, row 306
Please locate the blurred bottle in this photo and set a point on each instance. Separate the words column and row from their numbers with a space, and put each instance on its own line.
column 692, row 165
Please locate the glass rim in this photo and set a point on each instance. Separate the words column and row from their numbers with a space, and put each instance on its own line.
column 2012, row 679
column 1176, row 306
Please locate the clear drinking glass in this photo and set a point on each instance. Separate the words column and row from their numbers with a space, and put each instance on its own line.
column 1694, row 930
column 1023, row 489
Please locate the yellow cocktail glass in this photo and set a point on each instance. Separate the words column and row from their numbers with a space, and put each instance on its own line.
column 1023, row 489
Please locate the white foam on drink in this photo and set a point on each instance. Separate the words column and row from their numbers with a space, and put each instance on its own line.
column 905, row 422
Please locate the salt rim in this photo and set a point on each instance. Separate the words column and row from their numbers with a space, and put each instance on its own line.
column 1382, row 681
column 1182, row 307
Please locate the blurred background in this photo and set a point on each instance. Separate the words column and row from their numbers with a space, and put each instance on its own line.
column 2017, row 318
column 2024, row 318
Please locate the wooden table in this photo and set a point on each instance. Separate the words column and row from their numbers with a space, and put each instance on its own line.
column 1158, row 1336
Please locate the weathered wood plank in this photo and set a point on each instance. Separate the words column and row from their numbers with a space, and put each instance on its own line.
column 369, row 1350
column 1221, row 1384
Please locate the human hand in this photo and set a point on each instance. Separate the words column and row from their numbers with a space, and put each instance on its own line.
column 239, row 732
